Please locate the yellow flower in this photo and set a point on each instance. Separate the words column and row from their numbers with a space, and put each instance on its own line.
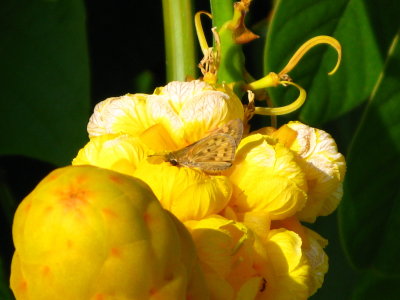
column 89, row 233
column 266, row 178
column 323, row 166
column 126, row 130
column 244, row 221
column 238, row 264
column 186, row 110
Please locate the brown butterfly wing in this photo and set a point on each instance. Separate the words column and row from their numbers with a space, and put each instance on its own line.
column 213, row 153
column 233, row 128
column 216, row 147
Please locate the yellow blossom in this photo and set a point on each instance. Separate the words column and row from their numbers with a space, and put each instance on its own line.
column 90, row 233
column 240, row 265
column 266, row 178
column 174, row 116
column 323, row 166
column 186, row 110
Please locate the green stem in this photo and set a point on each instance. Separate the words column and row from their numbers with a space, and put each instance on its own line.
column 179, row 39
column 231, row 67
column 222, row 11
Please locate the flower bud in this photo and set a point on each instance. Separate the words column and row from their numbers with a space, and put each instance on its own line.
column 89, row 233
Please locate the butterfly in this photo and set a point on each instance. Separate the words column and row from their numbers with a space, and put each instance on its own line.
column 211, row 154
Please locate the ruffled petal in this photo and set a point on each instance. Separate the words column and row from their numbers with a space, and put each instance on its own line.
column 284, row 266
column 120, row 115
column 266, row 177
column 207, row 111
column 225, row 252
column 191, row 110
column 179, row 92
column 187, row 193
column 121, row 153
column 317, row 259
column 324, row 167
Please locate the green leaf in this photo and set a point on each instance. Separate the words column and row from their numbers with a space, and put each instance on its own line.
column 5, row 292
column 370, row 209
column 374, row 286
column 340, row 279
column 364, row 29
column 8, row 204
column 45, row 76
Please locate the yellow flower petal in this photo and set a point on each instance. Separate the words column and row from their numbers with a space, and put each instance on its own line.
column 158, row 139
column 187, row 193
column 215, row 239
column 258, row 221
column 224, row 248
column 250, row 288
column 312, row 248
column 285, row 268
column 120, row 115
column 324, row 167
column 317, row 259
column 266, row 178
column 190, row 110
column 219, row 288
column 118, row 153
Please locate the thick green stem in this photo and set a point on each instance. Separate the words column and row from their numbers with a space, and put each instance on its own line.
column 179, row 39
column 232, row 60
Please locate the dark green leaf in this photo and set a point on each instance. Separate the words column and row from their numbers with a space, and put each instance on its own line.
column 374, row 286
column 5, row 292
column 364, row 29
column 340, row 279
column 370, row 210
column 7, row 203
column 45, row 79
column 144, row 82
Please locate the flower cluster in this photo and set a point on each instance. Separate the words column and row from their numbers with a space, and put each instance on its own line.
column 224, row 221
column 245, row 220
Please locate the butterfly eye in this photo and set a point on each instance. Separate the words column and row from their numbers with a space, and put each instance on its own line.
column 173, row 162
